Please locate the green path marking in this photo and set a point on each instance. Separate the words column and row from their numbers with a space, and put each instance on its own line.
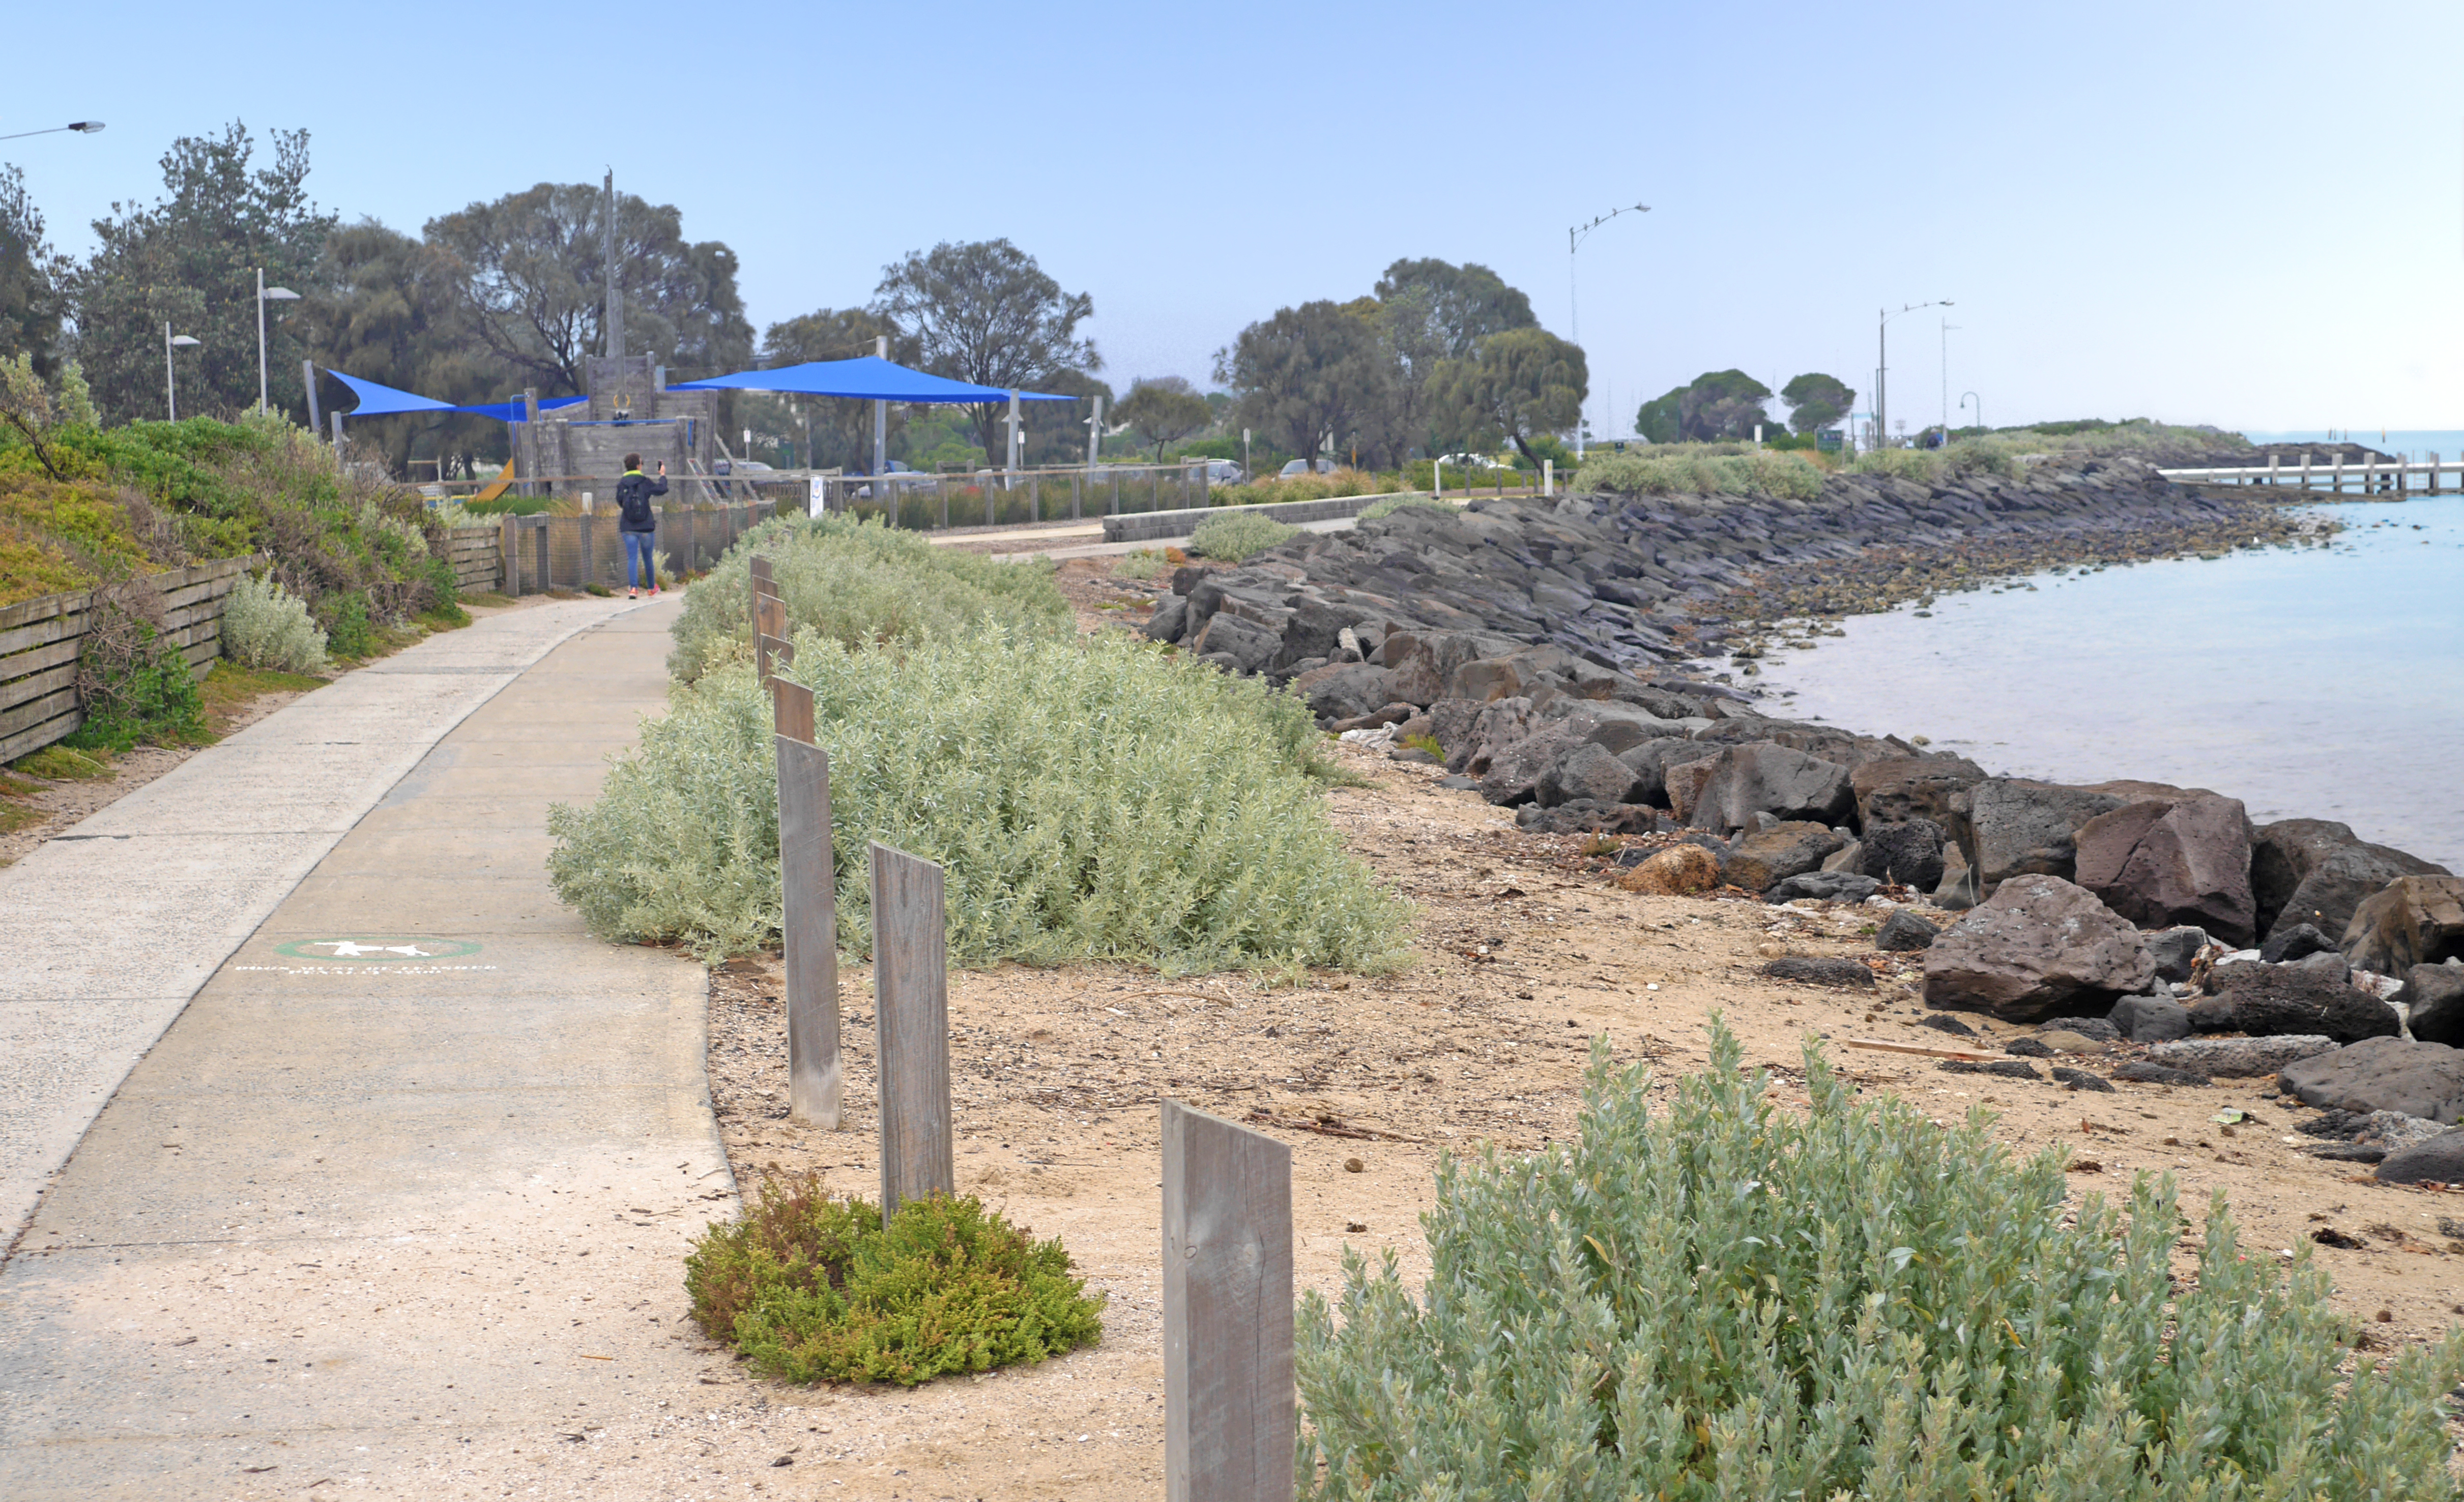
column 385, row 950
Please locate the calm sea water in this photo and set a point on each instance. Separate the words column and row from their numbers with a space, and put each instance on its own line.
column 2323, row 683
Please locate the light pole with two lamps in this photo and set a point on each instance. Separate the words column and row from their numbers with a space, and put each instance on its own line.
column 170, row 381
column 83, row 127
column 264, row 296
column 1574, row 314
column 1883, row 371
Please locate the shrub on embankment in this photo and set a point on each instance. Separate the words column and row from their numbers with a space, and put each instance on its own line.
column 861, row 584
column 1729, row 1300
column 1088, row 800
column 1703, row 469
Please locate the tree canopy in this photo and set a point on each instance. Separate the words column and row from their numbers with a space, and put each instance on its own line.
column 191, row 258
column 1516, row 386
column 1816, row 400
column 984, row 312
column 1719, row 405
column 1460, row 305
column 1164, row 410
column 1312, row 375
column 30, row 292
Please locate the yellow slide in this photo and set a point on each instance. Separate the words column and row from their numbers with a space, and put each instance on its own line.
column 503, row 482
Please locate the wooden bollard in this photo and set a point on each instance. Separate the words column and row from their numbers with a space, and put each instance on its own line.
column 1227, row 1311
column 810, row 921
column 910, row 1012
column 769, row 629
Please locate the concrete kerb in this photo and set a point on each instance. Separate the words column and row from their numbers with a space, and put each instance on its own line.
column 116, row 922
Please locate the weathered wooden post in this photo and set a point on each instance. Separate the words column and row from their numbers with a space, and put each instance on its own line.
column 769, row 632
column 1227, row 1311
column 911, row 1014
column 808, row 932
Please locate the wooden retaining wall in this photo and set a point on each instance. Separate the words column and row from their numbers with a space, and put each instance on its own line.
column 39, row 640
column 474, row 551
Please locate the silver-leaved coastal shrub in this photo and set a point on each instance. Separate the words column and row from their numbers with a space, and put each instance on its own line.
column 1236, row 537
column 1376, row 509
column 1087, row 798
column 1728, row 1300
column 858, row 583
column 1695, row 469
column 265, row 627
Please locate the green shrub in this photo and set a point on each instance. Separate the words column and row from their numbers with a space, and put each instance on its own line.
column 267, row 626
column 1301, row 487
column 1236, row 537
column 1143, row 564
column 814, row 1290
column 1730, row 1300
column 1395, row 503
column 862, row 582
column 1087, row 798
column 133, row 684
column 1692, row 469
column 348, row 631
column 1922, row 465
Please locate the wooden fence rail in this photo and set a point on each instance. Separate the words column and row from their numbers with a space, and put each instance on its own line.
column 40, row 639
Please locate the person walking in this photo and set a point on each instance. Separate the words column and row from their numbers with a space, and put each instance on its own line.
column 637, row 524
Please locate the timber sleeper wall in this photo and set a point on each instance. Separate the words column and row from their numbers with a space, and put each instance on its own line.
column 39, row 640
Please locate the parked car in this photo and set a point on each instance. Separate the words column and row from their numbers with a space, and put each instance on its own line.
column 898, row 477
column 1224, row 472
column 1302, row 466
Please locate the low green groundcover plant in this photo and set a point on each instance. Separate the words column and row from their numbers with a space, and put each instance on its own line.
column 1729, row 1301
column 1696, row 470
column 1087, row 798
column 862, row 584
column 1395, row 503
column 812, row 1289
column 1236, row 537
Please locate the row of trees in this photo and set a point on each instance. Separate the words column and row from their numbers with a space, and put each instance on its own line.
column 1727, row 406
column 1438, row 357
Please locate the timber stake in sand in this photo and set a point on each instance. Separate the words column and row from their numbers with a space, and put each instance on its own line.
column 810, row 928
column 1227, row 1311
column 911, row 1017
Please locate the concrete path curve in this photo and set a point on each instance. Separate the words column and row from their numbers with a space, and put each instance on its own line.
column 402, row 1176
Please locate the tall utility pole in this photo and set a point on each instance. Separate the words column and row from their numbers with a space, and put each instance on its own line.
column 1882, row 367
column 1575, row 237
column 1946, row 327
column 615, row 299
column 881, row 414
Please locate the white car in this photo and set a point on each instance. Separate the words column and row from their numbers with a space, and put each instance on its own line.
column 1224, row 472
column 1302, row 466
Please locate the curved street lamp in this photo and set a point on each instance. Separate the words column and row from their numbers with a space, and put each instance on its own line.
column 1574, row 236
column 1970, row 396
column 1883, row 371
column 170, row 382
column 83, row 127
column 264, row 296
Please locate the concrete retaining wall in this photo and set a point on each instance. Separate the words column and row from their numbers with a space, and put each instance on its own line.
column 1150, row 526
column 39, row 640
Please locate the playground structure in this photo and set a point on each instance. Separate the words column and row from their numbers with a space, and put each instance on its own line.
column 581, row 449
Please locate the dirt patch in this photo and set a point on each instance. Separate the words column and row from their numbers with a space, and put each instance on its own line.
column 1528, row 951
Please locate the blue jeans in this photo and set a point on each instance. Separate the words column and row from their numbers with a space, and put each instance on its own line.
column 637, row 560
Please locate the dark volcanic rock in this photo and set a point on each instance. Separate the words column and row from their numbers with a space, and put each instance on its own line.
column 2081, row 1079
column 2162, row 862
column 1586, row 772
column 1941, row 1023
column 1344, row 691
column 2298, row 942
column 1652, row 759
column 1907, row 851
column 1585, row 817
column 2418, row 920
column 2175, row 950
column 1822, row 972
column 2008, row 1068
column 1838, row 886
column 2142, row 1073
column 2433, row 1000
column 2437, row 1160
column 2038, row 946
column 2273, row 1000
column 1783, row 851
column 2318, row 871
column 2098, row 1029
column 1765, row 777
column 1513, row 774
column 2011, row 826
column 1905, row 933
column 2423, row 1080
column 1891, row 789
column 2150, row 1019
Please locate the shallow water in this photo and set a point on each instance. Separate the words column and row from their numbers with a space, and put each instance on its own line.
column 2321, row 682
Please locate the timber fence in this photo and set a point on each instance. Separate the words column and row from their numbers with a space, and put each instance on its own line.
column 40, row 639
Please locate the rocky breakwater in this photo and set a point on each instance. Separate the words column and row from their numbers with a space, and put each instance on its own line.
column 1538, row 649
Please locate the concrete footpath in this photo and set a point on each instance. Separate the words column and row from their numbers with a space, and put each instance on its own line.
column 408, row 1178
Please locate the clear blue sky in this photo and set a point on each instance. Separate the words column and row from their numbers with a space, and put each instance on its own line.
column 2251, row 214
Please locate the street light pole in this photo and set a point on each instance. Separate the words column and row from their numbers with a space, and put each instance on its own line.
column 1946, row 327
column 1575, row 237
column 1882, row 367
column 263, row 294
column 170, row 381
column 83, row 127
column 1969, row 396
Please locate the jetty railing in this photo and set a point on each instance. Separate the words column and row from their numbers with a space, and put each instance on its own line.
column 2333, row 473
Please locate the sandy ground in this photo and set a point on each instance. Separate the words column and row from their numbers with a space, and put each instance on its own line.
column 1526, row 952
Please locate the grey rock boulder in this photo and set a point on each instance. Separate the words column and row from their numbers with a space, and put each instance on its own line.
column 2011, row 826
column 2423, row 1080
column 1651, row 760
column 2139, row 1072
column 1780, row 851
column 1585, row 817
column 1905, row 933
column 1249, row 645
column 2163, row 862
column 2433, row 1001
column 1586, row 772
column 1341, row 690
column 1514, row 771
column 2274, row 1000
column 1495, row 726
column 2038, row 946
column 1906, row 851
column 2239, row 1058
column 1837, row 886
column 1890, row 789
column 1822, row 972
column 2175, row 949
column 2417, row 920
column 2295, row 942
column 1450, row 722
column 2318, row 871
column 1171, row 615
column 2437, row 1160
column 1849, row 856
column 2150, row 1019
column 1764, row 777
